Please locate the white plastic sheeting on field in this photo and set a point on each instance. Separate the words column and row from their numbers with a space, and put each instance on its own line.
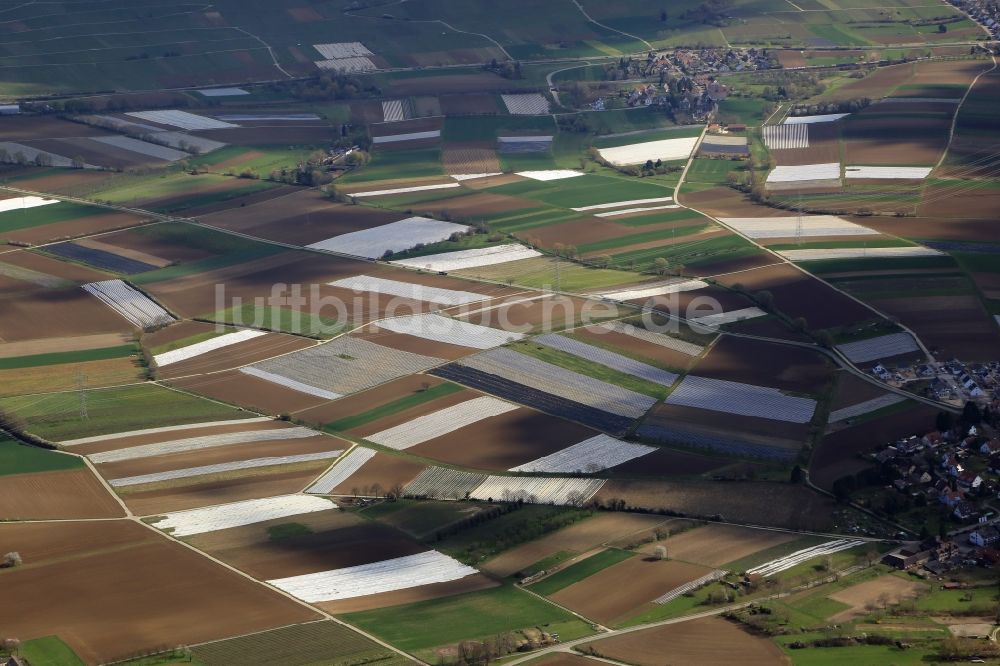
column 393, row 237
column 590, row 455
column 475, row 258
column 865, row 407
column 223, row 92
column 451, row 331
column 640, row 153
column 640, row 209
column 728, row 317
column 621, row 204
column 804, row 555
column 182, row 119
column 813, row 254
column 17, row 203
column 884, row 346
column 392, row 110
column 337, row 50
column 130, row 303
column 436, row 424
column 406, row 136
column 538, row 490
column 199, row 348
column 290, row 383
column 416, row 292
column 203, row 442
column 142, row 147
column 155, row 431
column 550, row 174
column 237, row 514
column 221, row 468
column 742, row 399
column 811, row 120
column 804, row 225
column 347, row 65
column 342, row 471
column 804, row 172
column 399, row 573
column 659, row 289
column 888, row 172
column 785, row 137
column 526, row 104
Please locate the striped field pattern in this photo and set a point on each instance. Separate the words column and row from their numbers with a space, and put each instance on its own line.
column 814, row 254
column 399, row 573
column 884, row 346
column 804, row 173
column 537, row 374
column 590, row 455
column 690, row 585
column 796, row 225
column 865, row 407
column 392, row 110
column 561, row 491
column 743, row 399
column 197, row 349
column 436, row 424
column 671, row 286
column 140, row 310
column 342, row 471
column 289, row 383
column 526, row 104
column 393, row 237
column 237, row 514
column 181, row 119
column 451, row 331
column 714, row 320
column 416, row 292
column 663, row 340
column 608, row 359
column 786, row 137
column 443, row 483
column 800, row 556
column 221, row 468
column 199, row 443
column 346, row 365
column 154, row 431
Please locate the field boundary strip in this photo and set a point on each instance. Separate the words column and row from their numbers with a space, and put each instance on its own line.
column 238, row 514
column 205, row 470
column 865, row 407
column 164, row 429
column 200, row 443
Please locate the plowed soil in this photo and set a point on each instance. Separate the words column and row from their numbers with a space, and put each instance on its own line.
column 715, row 545
column 766, row 364
column 56, row 495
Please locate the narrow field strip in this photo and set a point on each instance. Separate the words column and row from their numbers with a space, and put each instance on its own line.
column 337, row 50
column 608, row 359
column 562, row 491
column 796, row 225
column 416, row 292
column 237, row 514
column 804, row 172
column 451, row 331
column 439, row 423
column 800, row 556
column 620, row 204
column 198, row 443
column 473, row 176
column 884, row 346
column 408, row 136
column 785, row 137
column 393, row 237
column 399, row 573
column 199, row 348
column 155, row 431
column 815, row 254
column 640, row 153
column 143, row 147
column 590, row 455
column 526, row 104
column 537, row 374
column 889, row 173
column 663, row 340
column 18, row 203
column 475, row 258
column 181, row 119
column 659, row 289
column 865, row 407
column 130, row 303
column 290, row 383
column 550, row 174
column 715, row 320
column 689, row 586
column 221, row 468
column 443, row 483
column 629, row 211
column 342, row 471
column 811, row 120
column 728, row 397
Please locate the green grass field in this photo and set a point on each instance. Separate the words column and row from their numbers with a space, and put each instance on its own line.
column 14, row 220
column 587, row 190
column 261, row 160
column 57, row 416
column 190, row 340
column 393, row 407
column 49, row 651
column 427, row 624
column 398, row 165
column 580, row 570
column 17, row 458
column 58, row 358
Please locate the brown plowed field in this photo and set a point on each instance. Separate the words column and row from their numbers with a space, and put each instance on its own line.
column 384, row 470
column 174, row 332
column 470, row 157
column 768, row 327
column 766, row 364
column 824, row 147
column 893, row 140
column 233, row 356
column 50, row 266
column 730, row 266
column 837, row 455
column 129, row 253
column 705, row 234
column 470, row 104
column 309, row 135
column 22, row 128
column 954, row 326
column 798, row 295
column 406, row 127
column 64, row 181
column 936, row 228
column 251, row 392
column 95, row 152
column 669, row 462
column 221, row 454
column 376, row 397
column 414, row 344
column 148, row 592
column 710, row 641
column 302, row 218
column 565, row 659
column 472, row 583
column 874, row 592
column 852, row 390
column 64, row 312
column 696, row 303
column 553, row 313
column 452, row 83
column 636, row 582
column 634, row 346
column 56, row 495
column 960, row 199
column 149, row 242
column 763, row 431
column 879, row 83
column 576, row 232
column 155, row 502
column 577, row 538
column 67, row 344
column 337, row 540
column 505, row 441
column 714, row 545
column 760, row 503
column 472, row 206
column 72, row 228
column 239, row 201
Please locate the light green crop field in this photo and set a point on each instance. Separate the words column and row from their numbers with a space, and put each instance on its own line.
column 17, row 458
column 58, row 416
column 580, row 570
column 14, row 220
column 57, row 358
